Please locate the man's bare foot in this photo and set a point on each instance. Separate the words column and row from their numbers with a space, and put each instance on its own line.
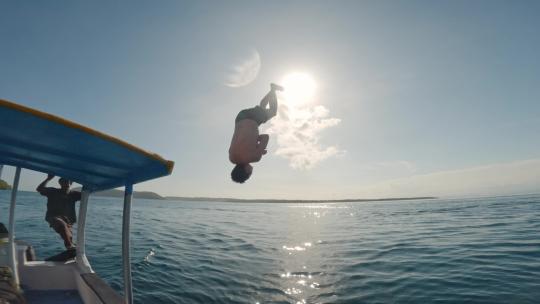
column 275, row 87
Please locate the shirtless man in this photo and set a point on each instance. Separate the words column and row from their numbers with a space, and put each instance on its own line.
column 247, row 146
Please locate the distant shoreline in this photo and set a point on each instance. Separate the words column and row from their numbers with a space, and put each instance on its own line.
column 293, row 201
column 153, row 195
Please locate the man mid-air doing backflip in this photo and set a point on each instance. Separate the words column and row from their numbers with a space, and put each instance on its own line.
column 247, row 146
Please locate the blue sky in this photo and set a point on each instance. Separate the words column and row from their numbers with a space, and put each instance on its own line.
column 431, row 98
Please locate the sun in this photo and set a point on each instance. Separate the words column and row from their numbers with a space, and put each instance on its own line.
column 299, row 88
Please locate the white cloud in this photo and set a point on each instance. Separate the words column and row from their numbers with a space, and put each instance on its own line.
column 298, row 132
column 496, row 179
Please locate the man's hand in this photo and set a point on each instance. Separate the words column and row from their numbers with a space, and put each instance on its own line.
column 41, row 187
column 263, row 142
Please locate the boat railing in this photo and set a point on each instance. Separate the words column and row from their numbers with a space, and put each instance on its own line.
column 12, row 254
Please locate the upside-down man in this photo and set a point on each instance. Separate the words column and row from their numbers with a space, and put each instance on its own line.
column 247, row 146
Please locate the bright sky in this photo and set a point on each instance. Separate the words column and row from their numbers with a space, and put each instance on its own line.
column 410, row 98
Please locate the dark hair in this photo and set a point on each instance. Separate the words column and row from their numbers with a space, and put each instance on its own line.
column 239, row 174
column 63, row 179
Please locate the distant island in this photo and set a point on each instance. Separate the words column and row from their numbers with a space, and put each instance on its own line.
column 153, row 195
column 120, row 193
column 4, row 185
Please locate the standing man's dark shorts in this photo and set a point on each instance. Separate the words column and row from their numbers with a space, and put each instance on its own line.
column 256, row 113
column 62, row 225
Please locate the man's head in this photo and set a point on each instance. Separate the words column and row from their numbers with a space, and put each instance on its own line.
column 64, row 183
column 241, row 173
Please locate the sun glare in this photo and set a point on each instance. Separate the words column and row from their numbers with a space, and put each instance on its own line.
column 299, row 88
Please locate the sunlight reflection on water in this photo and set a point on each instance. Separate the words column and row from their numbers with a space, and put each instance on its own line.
column 380, row 252
column 317, row 206
column 299, row 282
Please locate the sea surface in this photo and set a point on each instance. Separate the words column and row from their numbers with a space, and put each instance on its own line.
column 484, row 250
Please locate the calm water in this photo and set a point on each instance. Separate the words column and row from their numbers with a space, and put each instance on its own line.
column 475, row 250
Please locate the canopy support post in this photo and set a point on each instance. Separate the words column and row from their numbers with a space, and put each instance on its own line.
column 82, row 260
column 126, row 261
column 11, row 231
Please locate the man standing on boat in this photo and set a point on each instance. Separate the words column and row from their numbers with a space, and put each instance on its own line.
column 247, row 146
column 61, row 208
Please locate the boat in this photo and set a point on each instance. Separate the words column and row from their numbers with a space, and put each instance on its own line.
column 34, row 140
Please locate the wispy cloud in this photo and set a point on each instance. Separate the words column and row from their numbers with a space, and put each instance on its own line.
column 244, row 72
column 385, row 170
column 298, row 133
column 396, row 166
column 496, row 179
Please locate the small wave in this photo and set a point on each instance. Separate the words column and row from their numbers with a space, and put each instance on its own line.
column 150, row 253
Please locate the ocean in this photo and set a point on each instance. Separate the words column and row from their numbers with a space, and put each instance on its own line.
column 481, row 250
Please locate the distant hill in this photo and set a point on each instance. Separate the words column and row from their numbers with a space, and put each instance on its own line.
column 4, row 185
column 120, row 193
column 238, row 200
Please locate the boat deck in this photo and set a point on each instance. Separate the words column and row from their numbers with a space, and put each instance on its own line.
column 53, row 296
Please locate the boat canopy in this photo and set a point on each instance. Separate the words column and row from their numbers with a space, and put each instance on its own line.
column 47, row 143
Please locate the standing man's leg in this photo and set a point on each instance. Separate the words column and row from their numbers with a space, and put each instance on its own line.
column 64, row 230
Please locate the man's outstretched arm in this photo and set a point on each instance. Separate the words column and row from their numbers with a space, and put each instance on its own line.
column 41, row 188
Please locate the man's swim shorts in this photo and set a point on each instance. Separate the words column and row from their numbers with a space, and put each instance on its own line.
column 256, row 113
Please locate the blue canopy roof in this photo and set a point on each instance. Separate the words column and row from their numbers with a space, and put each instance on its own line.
column 46, row 143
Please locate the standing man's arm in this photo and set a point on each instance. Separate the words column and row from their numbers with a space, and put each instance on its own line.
column 41, row 188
